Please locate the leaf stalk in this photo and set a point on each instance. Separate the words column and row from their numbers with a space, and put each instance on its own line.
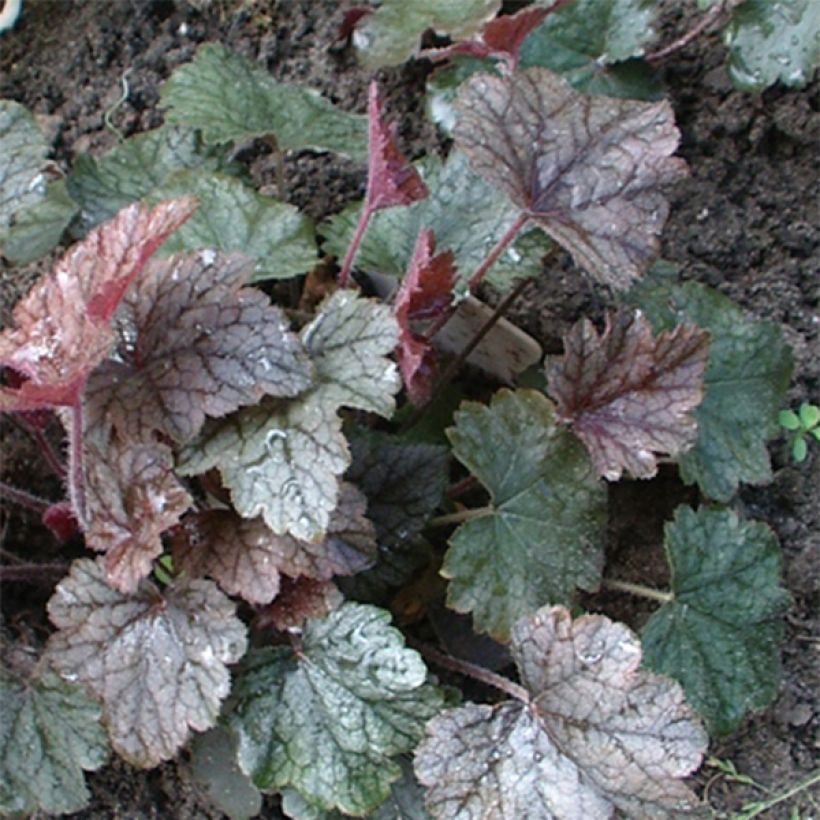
column 640, row 590
column 460, row 516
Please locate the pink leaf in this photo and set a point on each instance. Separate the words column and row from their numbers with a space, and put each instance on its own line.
column 627, row 394
column 391, row 180
column 62, row 522
column 505, row 34
column 63, row 326
column 425, row 292
column 352, row 17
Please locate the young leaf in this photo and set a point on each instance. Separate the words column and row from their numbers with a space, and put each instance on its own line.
column 628, row 394
column 541, row 536
column 773, row 42
column 745, row 384
column 391, row 179
column 49, row 733
column 233, row 217
column 591, row 44
column 22, row 158
column 132, row 497
column 598, row 734
column 156, row 660
column 391, row 34
column 246, row 558
column 468, row 215
column 194, row 343
column 299, row 599
column 327, row 719
column 283, row 459
column 720, row 635
column 588, row 170
column 63, row 325
column 232, row 99
column 426, row 291
column 133, row 168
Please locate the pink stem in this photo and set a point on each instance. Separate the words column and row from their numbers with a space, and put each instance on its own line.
column 76, row 467
column 361, row 227
column 676, row 45
column 24, row 499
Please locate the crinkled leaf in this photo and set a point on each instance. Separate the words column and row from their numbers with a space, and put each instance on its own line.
column 156, row 660
column 282, row 460
column 404, row 483
column 195, row 343
column 589, row 170
column 327, row 720
column 299, row 599
column 541, row 537
column 231, row 99
column 215, row 770
column 23, row 153
column 773, row 42
column 391, row 34
column 720, row 635
column 627, row 394
column 63, row 326
column 599, row 734
column 247, row 558
column 425, row 292
column 233, row 217
column 134, row 168
column 49, row 733
column 591, row 43
column 391, row 179
column 745, row 384
column 39, row 228
column 468, row 215
column 132, row 497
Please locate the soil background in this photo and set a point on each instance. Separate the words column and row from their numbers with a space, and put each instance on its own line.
column 745, row 222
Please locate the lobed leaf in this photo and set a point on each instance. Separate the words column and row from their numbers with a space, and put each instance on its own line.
column 628, row 394
column 232, row 99
column 247, row 559
column 194, row 343
column 721, row 633
column 156, row 660
column 745, row 384
column 588, row 170
column 541, row 536
column 391, row 34
column 597, row 735
column 63, row 326
column 327, row 720
column 49, row 733
column 132, row 497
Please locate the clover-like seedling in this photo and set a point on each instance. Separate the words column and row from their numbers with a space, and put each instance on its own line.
column 803, row 424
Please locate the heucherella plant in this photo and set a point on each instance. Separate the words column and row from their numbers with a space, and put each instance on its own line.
column 258, row 483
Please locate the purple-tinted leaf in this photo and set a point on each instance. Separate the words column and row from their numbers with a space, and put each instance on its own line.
column 195, row 343
column 627, row 394
column 247, row 558
column 63, row 326
column 299, row 599
column 588, row 170
column 597, row 735
column 156, row 660
column 391, row 179
column 133, row 496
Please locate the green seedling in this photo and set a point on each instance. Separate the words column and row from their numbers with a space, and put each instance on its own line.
column 803, row 424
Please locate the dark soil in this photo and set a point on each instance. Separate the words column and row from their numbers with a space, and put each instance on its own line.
column 746, row 222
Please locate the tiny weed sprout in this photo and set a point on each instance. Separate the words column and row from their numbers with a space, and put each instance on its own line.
column 292, row 508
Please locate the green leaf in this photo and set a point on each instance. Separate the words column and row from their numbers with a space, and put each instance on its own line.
column 133, row 169
column 789, row 420
column 720, row 635
column 39, row 228
column 800, row 449
column 50, row 732
column 809, row 415
column 592, row 43
column 773, row 41
column 233, row 99
column 542, row 535
column 468, row 217
column 23, row 153
column 746, row 380
column 327, row 719
column 390, row 35
column 283, row 459
column 233, row 217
